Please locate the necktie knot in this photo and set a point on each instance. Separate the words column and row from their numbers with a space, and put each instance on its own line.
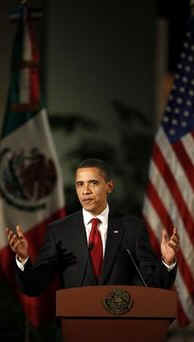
column 95, row 222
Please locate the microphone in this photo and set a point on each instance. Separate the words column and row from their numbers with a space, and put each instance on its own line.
column 136, row 267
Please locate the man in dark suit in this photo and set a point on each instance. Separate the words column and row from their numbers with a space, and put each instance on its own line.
column 116, row 251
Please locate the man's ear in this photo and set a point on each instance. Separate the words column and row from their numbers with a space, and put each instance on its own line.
column 110, row 186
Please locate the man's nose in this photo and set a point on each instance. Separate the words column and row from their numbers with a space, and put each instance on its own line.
column 86, row 189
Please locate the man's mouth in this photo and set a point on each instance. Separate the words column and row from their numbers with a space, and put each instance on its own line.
column 87, row 200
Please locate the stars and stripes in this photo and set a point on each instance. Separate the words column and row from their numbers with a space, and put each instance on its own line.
column 169, row 199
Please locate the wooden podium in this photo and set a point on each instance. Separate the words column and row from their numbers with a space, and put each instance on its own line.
column 84, row 317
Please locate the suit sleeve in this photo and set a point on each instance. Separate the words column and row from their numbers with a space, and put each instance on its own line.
column 154, row 272
column 36, row 277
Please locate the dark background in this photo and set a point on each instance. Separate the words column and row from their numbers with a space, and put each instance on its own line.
column 177, row 13
column 101, row 99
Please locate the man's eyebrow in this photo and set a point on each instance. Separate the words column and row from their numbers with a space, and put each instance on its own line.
column 88, row 181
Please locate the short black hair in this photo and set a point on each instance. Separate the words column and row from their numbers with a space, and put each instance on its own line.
column 99, row 164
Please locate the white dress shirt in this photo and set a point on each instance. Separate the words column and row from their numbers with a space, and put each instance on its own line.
column 102, row 227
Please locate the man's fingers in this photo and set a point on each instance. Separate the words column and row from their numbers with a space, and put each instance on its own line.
column 8, row 231
column 10, row 234
column 174, row 233
column 164, row 235
column 174, row 236
column 175, row 247
column 19, row 231
column 172, row 243
column 13, row 240
column 174, row 240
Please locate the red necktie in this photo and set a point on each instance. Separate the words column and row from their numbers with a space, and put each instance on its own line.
column 96, row 251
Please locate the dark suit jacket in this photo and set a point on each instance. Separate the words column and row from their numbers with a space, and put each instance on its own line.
column 66, row 251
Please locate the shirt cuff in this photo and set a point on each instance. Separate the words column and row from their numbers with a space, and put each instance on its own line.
column 169, row 267
column 21, row 264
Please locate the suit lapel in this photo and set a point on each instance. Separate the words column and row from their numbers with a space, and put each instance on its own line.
column 114, row 236
column 81, row 249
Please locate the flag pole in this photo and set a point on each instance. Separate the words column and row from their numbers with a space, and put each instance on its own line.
column 26, row 336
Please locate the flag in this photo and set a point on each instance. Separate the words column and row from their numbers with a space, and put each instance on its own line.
column 31, row 182
column 169, row 199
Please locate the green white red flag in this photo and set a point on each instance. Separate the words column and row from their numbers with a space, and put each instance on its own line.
column 31, row 182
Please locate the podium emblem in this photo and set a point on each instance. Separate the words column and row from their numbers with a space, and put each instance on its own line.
column 118, row 302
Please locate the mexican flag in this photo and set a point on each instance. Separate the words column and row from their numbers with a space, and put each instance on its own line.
column 31, row 182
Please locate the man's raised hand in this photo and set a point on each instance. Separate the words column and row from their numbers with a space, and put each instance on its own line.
column 18, row 243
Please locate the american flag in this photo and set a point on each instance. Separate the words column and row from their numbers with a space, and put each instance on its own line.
column 169, row 199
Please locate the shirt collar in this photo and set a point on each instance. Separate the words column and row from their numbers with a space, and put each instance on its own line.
column 103, row 216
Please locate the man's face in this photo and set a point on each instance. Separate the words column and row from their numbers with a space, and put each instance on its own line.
column 92, row 189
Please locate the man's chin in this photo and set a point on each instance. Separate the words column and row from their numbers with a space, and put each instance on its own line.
column 90, row 208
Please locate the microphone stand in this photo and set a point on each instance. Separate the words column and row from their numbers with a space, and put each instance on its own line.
column 136, row 267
